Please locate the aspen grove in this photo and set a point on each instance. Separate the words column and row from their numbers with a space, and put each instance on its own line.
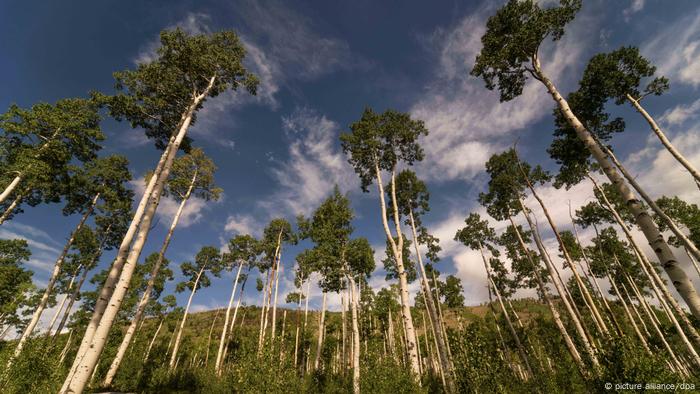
column 375, row 256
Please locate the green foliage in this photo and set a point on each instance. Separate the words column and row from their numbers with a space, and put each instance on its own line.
column 512, row 39
column 15, row 280
column 452, row 291
column 157, row 93
column 389, row 262
column 380, row 141
column 208, row 259
column 507, row 183
column 196, row 171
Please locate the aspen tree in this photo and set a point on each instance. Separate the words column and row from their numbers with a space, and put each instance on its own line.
column 208, row 259
column 376, row 143
column 510, row 53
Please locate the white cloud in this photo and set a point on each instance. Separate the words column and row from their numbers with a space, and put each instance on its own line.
column 681, row 113
column 243, row 224
column 466, row 122
column 676, row 50
column 635, row 6
column 315, row 163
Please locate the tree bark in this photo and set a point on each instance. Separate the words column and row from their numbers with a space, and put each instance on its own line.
column 509, row 322
column 435, row 321
column 644, row 221
column 153, row 340
column 690, row 247
column 561, row 290
column 571, row 347
column 397, row 250
column 211, row 330
column 598, row 320
column 178, row 338
column 145, row 298
column 52, row 281
column 321, row 329
column 355, row 338
column 224, row 331
column 125, row 262
column 650, row 271
column 662, row 137
column 11, row 208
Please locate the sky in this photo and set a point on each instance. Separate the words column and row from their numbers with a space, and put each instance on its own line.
column 320, row 64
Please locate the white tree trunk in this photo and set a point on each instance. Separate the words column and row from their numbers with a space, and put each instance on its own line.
column 274, row 302
column 11, row 187
column 224, row 331
column 153, row 340
column 571, row 347
column 321, row 329
column 115, row 288
column 650, row 271
column 181, row 328
column 665, row 141
column 690, row 247
column 561, row 289
column 597, row 319
column 211, row 330
column 145, row 298
column 11, row 208
column 52, row 282
column 63, row 303
column 435, row 321
column 397, row 250
column 644, row 221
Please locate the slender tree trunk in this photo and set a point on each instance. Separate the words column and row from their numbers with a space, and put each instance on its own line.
column 649, row 269
column 11, row 187
column 224, row 331
column 593, row 278
column 435, row 320
column 117, row 282
column 443, row 325
column 598, row 320
column 263, row 311
column 52, row 281
column 321, row 329
column 690, row 247
column 178, row 338
column 657, row 330
column 145, row 298
column 211, row 330
column 693, row 260
column 62, row 356
column 153, row 340
column 562, row 292
column 343, row 330
column 355, row 338
column 233, row 319
column 571, row 347
column 509, row 322
column 629, row 315
column 11, row 208
column 296, row 336
column 662, row 137
column 274, row 302
column 397, row 250
column 644, row 221
column 63, row 303
column 391, row 335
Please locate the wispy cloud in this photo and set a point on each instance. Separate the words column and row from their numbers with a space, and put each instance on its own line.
column 676, row 49
column 681, row 113
column 466, row 122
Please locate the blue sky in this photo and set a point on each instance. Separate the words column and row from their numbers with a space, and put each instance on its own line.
column 320, row 63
